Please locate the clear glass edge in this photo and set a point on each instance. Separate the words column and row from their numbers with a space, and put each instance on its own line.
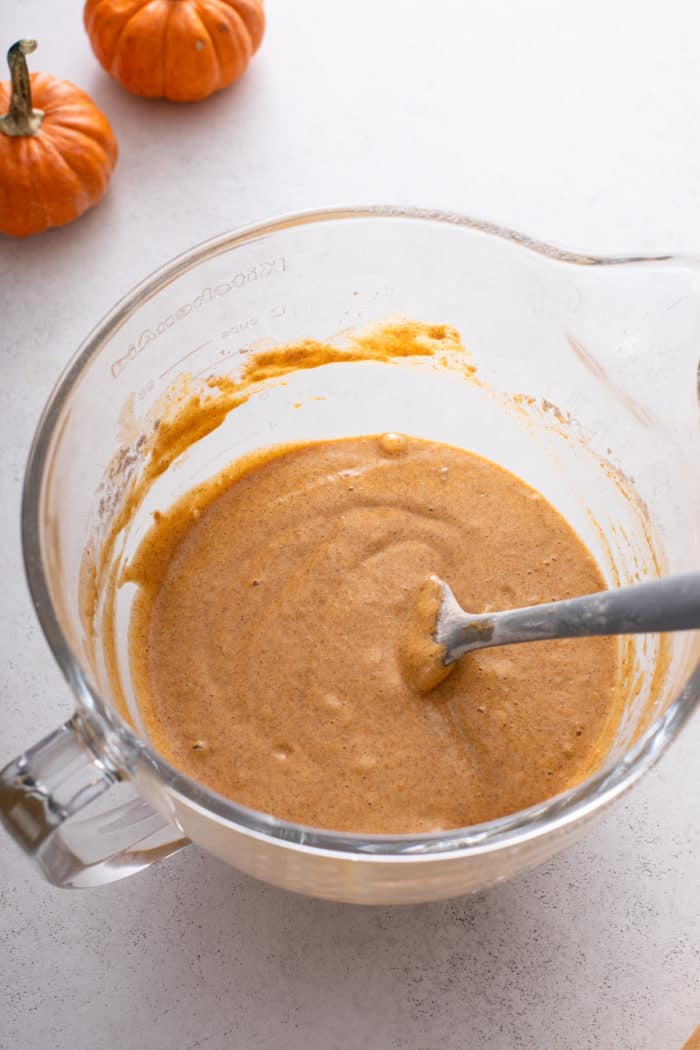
column 127, row 751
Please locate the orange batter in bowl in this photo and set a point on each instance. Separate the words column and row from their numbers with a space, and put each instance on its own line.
column 266, row 639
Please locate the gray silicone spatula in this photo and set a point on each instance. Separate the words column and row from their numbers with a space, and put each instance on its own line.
column 671, row 604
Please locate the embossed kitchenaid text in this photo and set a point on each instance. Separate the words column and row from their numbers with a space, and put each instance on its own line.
column 207, row 295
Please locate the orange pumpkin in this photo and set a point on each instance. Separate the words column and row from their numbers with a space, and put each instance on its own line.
column 56, row 160
column 182, row 50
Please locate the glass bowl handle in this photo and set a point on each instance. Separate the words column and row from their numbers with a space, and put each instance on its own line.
column 44, row 788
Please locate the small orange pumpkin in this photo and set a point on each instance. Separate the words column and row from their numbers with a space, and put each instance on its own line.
column 182, row 50
column 55, row 161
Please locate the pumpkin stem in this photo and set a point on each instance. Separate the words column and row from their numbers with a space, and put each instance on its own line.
column 20, row 119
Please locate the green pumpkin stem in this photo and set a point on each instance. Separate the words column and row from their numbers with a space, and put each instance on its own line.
column 20, row 119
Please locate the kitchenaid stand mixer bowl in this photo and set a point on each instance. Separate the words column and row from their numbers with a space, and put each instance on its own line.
column 586, row 386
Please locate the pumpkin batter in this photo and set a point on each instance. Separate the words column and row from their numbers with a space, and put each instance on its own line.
column 266, row 639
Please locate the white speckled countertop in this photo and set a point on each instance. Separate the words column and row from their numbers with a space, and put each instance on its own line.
column 576, row 122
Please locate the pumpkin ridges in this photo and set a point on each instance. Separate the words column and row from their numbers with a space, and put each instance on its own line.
column 25, row 213
column 118, row 9
column 37, row 193
column 69, row 197
column 90, row 133
column 106, row 147
column 197, row 13
column 103, row 28
column 234, row 49
column 51, row 91
column 89, row 160
column 189, row 74
column 212, row 43
column 203, row 81
column 252, row 15
column 68, row 106
column 125, row 27
column 5, row 202
column 104, row 22
column 172, row 10
column 137, row 60
column 72, row 106
column 56, row 96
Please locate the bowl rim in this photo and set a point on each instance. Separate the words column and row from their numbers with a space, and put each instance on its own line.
column 116, row 742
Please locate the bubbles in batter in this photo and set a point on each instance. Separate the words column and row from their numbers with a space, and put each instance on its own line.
column 393, row 444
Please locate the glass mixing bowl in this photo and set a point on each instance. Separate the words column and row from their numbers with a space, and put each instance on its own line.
column 587, row 388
